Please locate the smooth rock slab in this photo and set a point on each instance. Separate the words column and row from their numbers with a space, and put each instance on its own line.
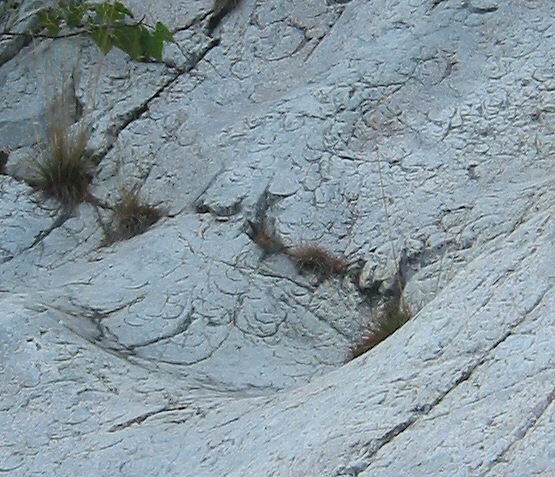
column 435, row 373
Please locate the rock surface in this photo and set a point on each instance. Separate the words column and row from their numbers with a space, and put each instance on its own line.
column 399, row 135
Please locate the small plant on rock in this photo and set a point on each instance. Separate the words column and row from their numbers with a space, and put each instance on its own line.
column 64, row 171
column 392, row 314
column 317, row 260
column 310, row 257
column 262, row 238
column 393, row 311
column 109, row 24
column 131, row 216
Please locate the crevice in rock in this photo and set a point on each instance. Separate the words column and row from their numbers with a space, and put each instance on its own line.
column 304, row 286
column 373, row 447
column 200, row 206
column 323, row 319
column 435, row 3
column 143, row 417
column 220, row 9
column 181, row 328
column 131, row 116
column 18, row 42
column 102, row 337
column 4, row 156
column 196, row 20
column 181, row 364
column 136, row 113
column 220, row 212
column 11, row 45
column 539, row 411
column 304, row 31
column 338, row 6
column 58, row 222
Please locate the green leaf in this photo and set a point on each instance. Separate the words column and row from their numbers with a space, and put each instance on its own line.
column 154, row 42
column 153, row 47
column 112, row 12
column 122, row 9
column 105, row 23
column 49, row 20
column 162, row 32
column 102, row 38
column 73, row 14
column 128, row 39
column 140, row 43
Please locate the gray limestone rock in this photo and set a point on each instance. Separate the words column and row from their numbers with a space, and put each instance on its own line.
column 407, row 142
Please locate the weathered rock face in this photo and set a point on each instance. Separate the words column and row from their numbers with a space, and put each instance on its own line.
column 396, row 135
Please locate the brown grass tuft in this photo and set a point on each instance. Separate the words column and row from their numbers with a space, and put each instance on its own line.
column 131, row 216
column 393, row 315
column 307, row 257
column 316, row 259
column 260, row 236
column 64, row 171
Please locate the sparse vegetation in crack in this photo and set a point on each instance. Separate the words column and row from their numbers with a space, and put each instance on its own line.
column 131, row 216
column 65, row 170
column 389, row 309
column 260, row 236
column 392, row 313
column 392, row 309
column 306, row 257
column 314, row 258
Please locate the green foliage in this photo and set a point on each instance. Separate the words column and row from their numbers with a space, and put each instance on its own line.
column 48, row 21
column 108, row 24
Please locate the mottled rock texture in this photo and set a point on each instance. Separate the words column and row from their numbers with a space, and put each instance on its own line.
column 410, row 136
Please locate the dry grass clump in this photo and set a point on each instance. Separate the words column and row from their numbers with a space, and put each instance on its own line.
column 316, row 259
column 260, row 236
column 392, row 316
column 131, row 216
column 309, row 257
column 64, row 171
column 64, row 174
